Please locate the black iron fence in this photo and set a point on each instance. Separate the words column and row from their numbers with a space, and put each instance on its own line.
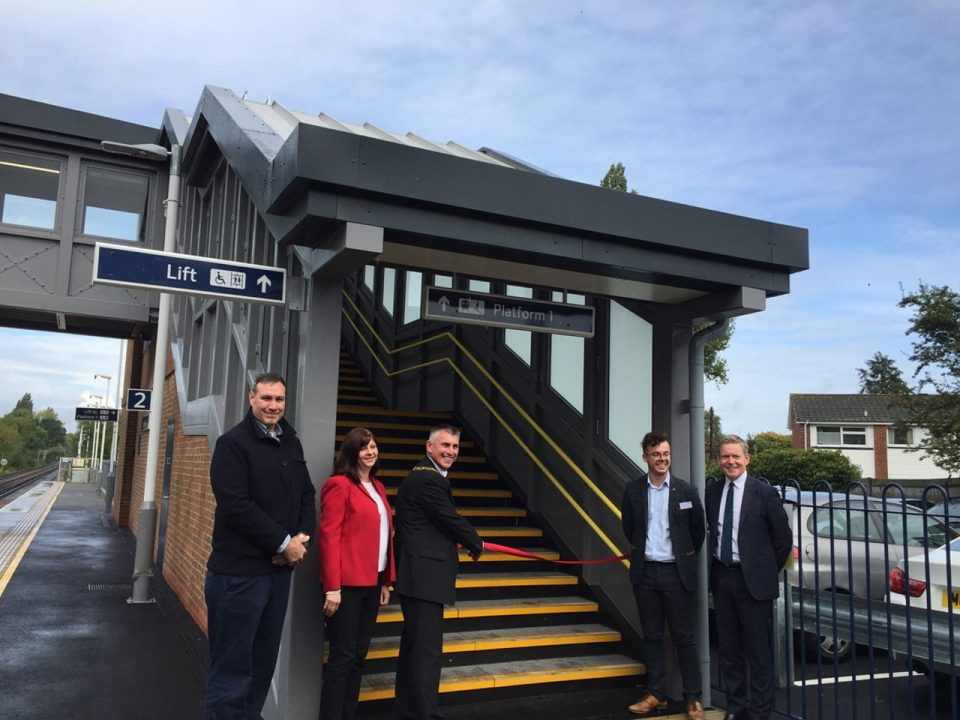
column 869, row 611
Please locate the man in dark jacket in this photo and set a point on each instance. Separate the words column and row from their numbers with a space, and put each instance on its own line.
column 750, row 541
column 663, row 520
column 428, row 529
column 264, row 519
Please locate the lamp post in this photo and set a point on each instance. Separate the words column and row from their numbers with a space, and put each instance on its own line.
column 143, row 560
column 103, row 432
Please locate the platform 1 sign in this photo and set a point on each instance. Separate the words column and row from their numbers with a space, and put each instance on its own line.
column 96, row 414
column 188, row 274
column 473, row 308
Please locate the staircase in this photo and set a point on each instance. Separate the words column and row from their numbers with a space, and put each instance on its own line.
column 519, row 626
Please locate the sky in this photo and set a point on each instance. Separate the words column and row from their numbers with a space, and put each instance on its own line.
column 842, row 117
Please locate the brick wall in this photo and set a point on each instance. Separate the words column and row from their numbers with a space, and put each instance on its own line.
column 799, row 441
column 191, row 504
column 881, row 469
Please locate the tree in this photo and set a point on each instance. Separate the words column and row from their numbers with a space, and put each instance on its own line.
column 712, row 432
column 881, row 376
column 768, row 440
column 714, row 366
column 935, row 323
column 806, row 467
column 616, row 178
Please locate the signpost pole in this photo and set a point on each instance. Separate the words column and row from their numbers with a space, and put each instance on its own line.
column 143, row 560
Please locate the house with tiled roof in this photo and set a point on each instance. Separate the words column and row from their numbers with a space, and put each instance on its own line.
column 866, row 429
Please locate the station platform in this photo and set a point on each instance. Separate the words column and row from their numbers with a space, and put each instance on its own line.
column 73, row 647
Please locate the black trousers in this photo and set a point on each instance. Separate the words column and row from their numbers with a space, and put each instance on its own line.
column 745, row 644
column 244, row 624
column 349, row 630
column 663, row 601
column 418, row 667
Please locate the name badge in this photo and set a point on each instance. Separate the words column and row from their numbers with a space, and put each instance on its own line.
column 686, row 505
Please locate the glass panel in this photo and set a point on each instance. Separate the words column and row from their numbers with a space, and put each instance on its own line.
column 899, row 436
column 828, row 435
column 115, row 204
column 519, row 341
column 387, row 291
column 854, row 436
column 29, row 188
column 566, row 368
column 443, row 281
column 479, row 286
column 412, row 294
column 631, row 380
column 368, row 275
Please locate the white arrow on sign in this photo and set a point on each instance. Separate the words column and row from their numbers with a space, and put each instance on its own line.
column 264, row 282
column 443, row 303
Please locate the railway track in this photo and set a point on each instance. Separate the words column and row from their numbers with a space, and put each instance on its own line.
column 13, row 483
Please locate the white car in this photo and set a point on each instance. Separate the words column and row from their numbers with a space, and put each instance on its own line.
column 929, row 582
column 923, row 577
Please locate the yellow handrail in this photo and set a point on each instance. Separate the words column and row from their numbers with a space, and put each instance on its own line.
column 493, row 411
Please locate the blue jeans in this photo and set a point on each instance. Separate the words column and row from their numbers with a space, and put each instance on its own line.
column 244, row 624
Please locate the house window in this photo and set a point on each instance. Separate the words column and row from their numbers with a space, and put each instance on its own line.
column 29, row 187
column 841, row 435
column 899, row 436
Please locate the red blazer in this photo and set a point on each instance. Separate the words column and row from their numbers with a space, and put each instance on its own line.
column 349, row 535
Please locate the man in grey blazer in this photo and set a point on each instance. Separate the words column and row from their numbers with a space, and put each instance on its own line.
column 663, row 520
column 750, row 541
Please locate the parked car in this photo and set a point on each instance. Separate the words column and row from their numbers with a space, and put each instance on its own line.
column 930, row 580
column 948, row 512
column 847, row 545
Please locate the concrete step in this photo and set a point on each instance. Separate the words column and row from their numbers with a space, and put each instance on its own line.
column 512, row 674
column 505, row 638
column 501, row 607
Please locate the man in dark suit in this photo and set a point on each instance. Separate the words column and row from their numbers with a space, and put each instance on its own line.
column 428, row 529
column 264, row 519
column 663, row 520
column 750, row 541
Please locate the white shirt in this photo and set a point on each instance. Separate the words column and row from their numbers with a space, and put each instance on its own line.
column 738, row 485
column 659, row 545
column 384, row 527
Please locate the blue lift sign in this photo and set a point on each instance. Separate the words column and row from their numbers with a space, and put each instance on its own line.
column 474, row 308
column 188, row 274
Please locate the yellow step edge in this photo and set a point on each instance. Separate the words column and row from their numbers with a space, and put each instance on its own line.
column 457, row 475
column 419, row 442
column 504, row 557
column 362, row 409
column 513, row 580
column 451, row 681
column 392, row 613
column 506, row 532
column 384, row 648
column 377, row 425
column 416, row 456
column 468, row 493
column 492, row 512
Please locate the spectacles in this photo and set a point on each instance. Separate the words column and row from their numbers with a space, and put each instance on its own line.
column 658, row 455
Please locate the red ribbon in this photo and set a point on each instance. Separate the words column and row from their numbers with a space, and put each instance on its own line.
column 494, row 547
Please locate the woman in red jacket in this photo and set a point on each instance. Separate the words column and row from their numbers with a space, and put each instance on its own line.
column 355, row 538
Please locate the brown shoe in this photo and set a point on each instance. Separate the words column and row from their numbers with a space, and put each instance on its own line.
column 695, row 710
column 647, row 704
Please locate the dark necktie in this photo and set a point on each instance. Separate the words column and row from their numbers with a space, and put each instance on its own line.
column 726, row 537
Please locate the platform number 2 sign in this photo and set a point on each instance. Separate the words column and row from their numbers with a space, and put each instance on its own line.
column 138, row 399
